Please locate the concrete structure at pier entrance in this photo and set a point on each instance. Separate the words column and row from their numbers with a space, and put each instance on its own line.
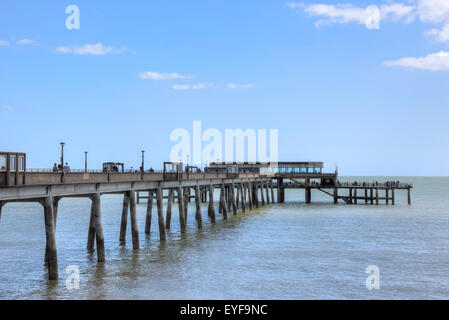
column 241, row 186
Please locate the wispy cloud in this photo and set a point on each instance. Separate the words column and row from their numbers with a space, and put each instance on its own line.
column 432, row 62
column 97, row 49
column 26, row 42
column 4, row 43
column 152, row 75
column 7, row 107
column 197, row 86
column 240, row 85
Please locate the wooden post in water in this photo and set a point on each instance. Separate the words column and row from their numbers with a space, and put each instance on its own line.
column 2, row 203
column 268, row 192
column 50, row 233
column 377, row 195
column 250, row 196
column 371, row 195
column 186, row 202
column 256, row 196
column 91, row 233
column 392, row 196
column 409, row 198
column 182, row 219
column 211, row 209
column 261, row 192
column 160, row 213
column 366, row 196
column 96, row 202
column 133, row 212
column 272, row 191
column 233, row 199
column 237, row 197
column 169, row 208
column 386, row 196
column 222, row 200
column 123, row 225
column 199, row 220
column 149, row 212
column 228, row 194
column 355, row 195
column 335, row 195
column 243, row 196
column 350, row 196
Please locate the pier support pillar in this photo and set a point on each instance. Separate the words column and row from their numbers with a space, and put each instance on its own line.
column 250, row 196
column 243, row 196
column 261, row 193
column 149, row 212
column 91, row 233
column 2, row 203
column 160, row 214
column 256, row 196
column 237, row 197
column 308, row 191
column 96, row 203
column 233, row 199
column 123, row 225
column 267, row 191
column 386, row 196
column 199, row 220
column 211, row 209
column 392, row 197
column 366, row 196
column 355, row 195
column 409, row 198
column 186, row 202
column 134, row 226
column 50, row 233
column 371, row 195
column 272, row 191
column 169, row 208
column 182, row 220
column 223, row 202
column 377, row 196
column 335, row 195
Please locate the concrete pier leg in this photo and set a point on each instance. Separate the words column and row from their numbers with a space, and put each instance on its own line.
column 256, row 196
column 279, row 197
column 371, row 195
column 55, row 208
column 222, row 200
column 134, row 226
column 211, row 209
column 250, row 196
column 1, row 207
column 199, row 220
column 377, row 196
column 237, row 197
column 182, row 216
column 409, row 198
column 268, row 192
column 228, row 198
column 91, row 233
column 335, row 195
column 272, row 191
column 96, row 201
column 125, row 208
column 243, row 196
column 261, row 193
column 169, row 208
column 149, row 212
column 392, row 197
column 186, row 202
column 50, row 233
column 160, row 213
column 366, row 196
column 233, row 199
column 386, row 196
column 308, row 192
column 355, row 196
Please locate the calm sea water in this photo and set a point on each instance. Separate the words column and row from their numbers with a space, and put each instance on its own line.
column 288, row 251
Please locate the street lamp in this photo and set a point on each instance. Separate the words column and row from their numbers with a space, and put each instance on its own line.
column 143, row 160
column 62, row 155
column 85, row 161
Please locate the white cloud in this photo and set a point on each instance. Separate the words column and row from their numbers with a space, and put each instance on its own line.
column 151, row 75
column 348, row 13
column 7, row 107
column 26, row 42
column 433, row 11
column 433, row 62
column 196, row 86
column 4, row 43
column 97, row 49
column 440, row 35
column 241, row 85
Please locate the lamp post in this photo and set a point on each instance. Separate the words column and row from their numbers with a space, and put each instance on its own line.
column 62, row 155
column 85, row 161
column 143, row 160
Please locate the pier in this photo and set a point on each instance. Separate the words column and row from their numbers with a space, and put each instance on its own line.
column 241, row 187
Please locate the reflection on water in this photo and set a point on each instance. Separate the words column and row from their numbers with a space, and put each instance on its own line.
column 289, row 251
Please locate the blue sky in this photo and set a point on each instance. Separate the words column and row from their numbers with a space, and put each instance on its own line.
column 337, row 91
